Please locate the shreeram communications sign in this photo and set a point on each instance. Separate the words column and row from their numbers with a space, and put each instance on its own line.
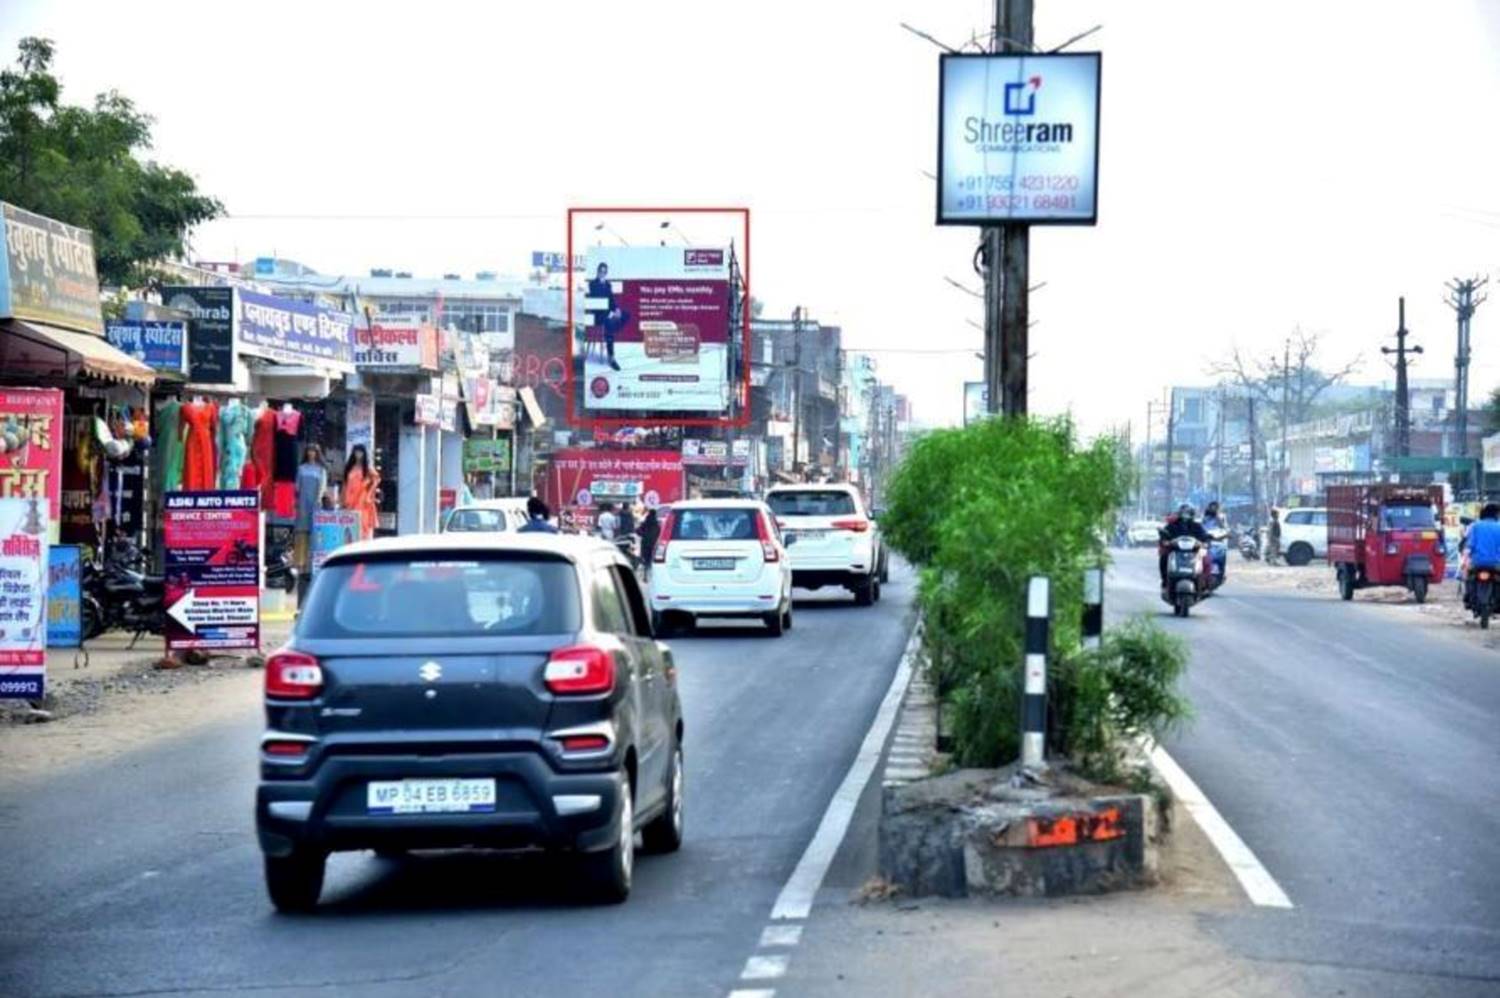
column 1018, row 139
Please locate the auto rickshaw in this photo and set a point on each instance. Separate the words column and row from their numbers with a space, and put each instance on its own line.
column 1386, row 535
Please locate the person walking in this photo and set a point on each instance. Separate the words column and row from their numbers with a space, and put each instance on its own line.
column 1273, row 539
column 650, row 532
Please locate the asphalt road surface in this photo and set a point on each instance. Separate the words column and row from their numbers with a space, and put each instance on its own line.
column 1357, row 753
column 142, row 876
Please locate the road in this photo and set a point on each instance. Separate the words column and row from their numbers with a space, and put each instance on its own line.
column 1355, row 751
column 142, row 876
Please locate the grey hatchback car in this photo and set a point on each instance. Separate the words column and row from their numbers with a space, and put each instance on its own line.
column 470, row 690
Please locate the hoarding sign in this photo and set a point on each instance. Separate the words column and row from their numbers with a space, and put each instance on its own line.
column 49, row 273
column 294, row 332
column 161, row 346
column 715, row 452
column 210, row 346
column 578, row 475
column 396, row 343
column 553, row 262
column 331, row 530
column 976, row 402
column 212, row 547
column 1018, row 138
column 541, row 363
column 31, row 449
column 490, row 456
column 656, row 329
column 427, row 411
column 64, row 596
column 23, row 599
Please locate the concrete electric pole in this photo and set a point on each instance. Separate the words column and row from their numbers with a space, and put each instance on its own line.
column 1461, row 299
column 1403, row 396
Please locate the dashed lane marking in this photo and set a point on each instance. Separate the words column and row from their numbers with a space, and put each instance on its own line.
column 765, row 966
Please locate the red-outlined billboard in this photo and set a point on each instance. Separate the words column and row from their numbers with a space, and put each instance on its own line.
column 668, row 340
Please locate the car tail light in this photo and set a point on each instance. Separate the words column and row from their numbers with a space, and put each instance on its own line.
column 580, row 669
column 284, row 749
column 1484, row 576
column 584, row 743
column 293, row 675
column 767, row 542
column 660, row 554
column 857, row 524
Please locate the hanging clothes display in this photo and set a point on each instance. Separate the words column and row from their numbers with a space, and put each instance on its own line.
column 235, row 427
column 263, row 452
column 199, row 460
column 284, row 489
column 167, row 468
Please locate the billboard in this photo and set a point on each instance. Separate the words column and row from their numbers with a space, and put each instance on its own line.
column 976, row 402
column 655, row 330
column 212, row 569
column 31, row 449
column 49, row 272
column 211, row 338
column 583, row 477
column 1018, row 138
column 23, row 611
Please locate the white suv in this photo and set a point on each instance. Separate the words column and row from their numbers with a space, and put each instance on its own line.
column 830, row 538
column 1304, row 535
column 720, row 558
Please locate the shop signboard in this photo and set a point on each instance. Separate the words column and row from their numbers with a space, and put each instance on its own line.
column 293, row 332
column 447, row 501
column 553, row 262
column 161, row 346
column 64, row 596
column 656, row 330
column 331, row 530
column 49, row 274
column 31, row 446
column 427, row 410
column 715, row 452
column 489, row 456
column 396, row 344
column 212, row 545
column 23, row 599
column 448, row 414
column 210, row 346
column 1018, row 138
column 577, row 475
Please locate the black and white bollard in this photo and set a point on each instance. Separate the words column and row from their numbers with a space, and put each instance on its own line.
column 1093, row 607
column 1034, row 699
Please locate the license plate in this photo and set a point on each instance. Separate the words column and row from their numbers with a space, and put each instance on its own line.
column 714, row 564
column 430, row 796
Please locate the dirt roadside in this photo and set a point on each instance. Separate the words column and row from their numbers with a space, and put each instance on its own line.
column 121, row 701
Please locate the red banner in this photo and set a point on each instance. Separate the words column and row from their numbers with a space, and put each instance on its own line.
column 587, row 478
column 31, row 448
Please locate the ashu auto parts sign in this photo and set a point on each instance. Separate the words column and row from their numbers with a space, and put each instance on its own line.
column 1018, row 139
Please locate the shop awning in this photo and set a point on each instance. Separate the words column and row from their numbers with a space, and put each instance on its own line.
column 533, row 408
column 83, row 353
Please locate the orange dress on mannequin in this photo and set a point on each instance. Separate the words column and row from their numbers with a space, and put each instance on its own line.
column 359, row 493
column 199, row 430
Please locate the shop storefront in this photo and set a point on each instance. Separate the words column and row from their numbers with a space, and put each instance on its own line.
column 396, row 360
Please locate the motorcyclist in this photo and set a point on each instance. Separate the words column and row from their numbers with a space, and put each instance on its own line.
column 1483, row 544
column 1184, row 524
column 1219, row 550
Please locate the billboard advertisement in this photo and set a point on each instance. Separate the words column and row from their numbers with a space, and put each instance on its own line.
column 31, row 449
column 655, row 330
column 161, row 346
column 49, row 273
column 581, row 477
column 212, row 569
column 1018, row 138
column 23, row 605
column 976, row 402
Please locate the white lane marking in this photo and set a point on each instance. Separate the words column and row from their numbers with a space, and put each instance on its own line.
column 762, row 968
column 1259, row 885
column 753, row 993
column 796, row 897
column 780, row 935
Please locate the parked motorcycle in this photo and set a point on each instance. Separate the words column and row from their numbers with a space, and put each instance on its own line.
column 1484, row 594
column 117, row 594
column 1188, row 574
column 1249, row 545
column 281, row 573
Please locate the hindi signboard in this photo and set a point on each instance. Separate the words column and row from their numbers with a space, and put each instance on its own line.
column 31, row 448
column 65, row 596
column 212, row 569
column 331, row 530
column 161, row 346
column 486, row 456
column 293, row 332
column 49, row 274
column 23, row 599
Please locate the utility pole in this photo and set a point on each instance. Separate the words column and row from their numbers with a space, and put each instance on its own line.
column 1219, row 452
column 1254, row 478
column 1171, row 441
column 1006, row 252
column 1403, row 396
column 1461, row 299
column 796, row 387
column 1284, row 478
column 838, row 418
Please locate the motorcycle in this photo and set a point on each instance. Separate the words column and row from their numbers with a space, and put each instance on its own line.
column 1188, row 574
column 280, row 572
column 117, row 594
column 1484, row 594
column 1218, row 556
column 1249, row 545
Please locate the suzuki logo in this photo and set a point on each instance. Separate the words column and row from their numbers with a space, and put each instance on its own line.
column 431, row 671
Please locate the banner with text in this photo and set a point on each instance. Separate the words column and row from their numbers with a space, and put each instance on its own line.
column 31, row 449
column 293, row 332
column 580, row 477
column 49, row 273
column 23, row 599
column 212, row 569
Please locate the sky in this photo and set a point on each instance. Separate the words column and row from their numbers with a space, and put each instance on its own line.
column 1262, row 168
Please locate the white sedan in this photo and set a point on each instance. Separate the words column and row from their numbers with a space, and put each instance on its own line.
column 720, row 558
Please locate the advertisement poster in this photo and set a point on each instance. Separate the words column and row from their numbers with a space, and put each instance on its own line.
column 64, row 596
column 486, row 456
column 23, row 599
column 976, row 402
column 49, row 272
column 359, row 421
column 655, row 329
column 161, row 346
column 212, row 569
column 1018, row 138
column 293, row 332
column 541, row 363
column 579, row 477
column 211, row 337
column 331, row 530
column 715, row 452
column 31, row 449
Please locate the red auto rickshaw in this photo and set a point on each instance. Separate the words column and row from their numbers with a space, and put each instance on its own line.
column 1386, row 535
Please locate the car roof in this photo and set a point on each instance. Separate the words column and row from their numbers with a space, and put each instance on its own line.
column 492, row 503
column 573, row 547
column 815, row 487
column 717, row 503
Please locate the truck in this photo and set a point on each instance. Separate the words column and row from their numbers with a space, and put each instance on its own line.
column 1385, row 534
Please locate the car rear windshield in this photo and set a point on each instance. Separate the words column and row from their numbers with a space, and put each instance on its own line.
column 1409, row 517
column 830, row 503
column 713, row 525
column 441, row 598
column 476, row 520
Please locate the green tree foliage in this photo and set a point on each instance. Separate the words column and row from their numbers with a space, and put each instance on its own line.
column 82, row 166
column 1492, row 413
column 980, row 510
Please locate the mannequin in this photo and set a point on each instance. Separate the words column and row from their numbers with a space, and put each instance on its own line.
column 234, row 443
column 199, row 420
column 263, row 451
column 284, row 472
column 168, row 464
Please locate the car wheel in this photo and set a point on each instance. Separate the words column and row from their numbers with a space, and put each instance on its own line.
column 1419, row 588
column 775, row 623
column 864, row 593
column 609, row 872
column 294, row 882
column 659, row 625
column 786, row 623
column 885, row 568
column 664, row 833
column 875, row 585
column 1299, row 554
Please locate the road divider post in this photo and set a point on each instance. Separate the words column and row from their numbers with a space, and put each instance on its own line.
column 1034, row 698
column 1093, row 607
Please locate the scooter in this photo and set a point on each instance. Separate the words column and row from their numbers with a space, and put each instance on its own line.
column 280, row 572
column 1188, row 574
column 119, row 596
column 1249, row 545
column 1218, row 557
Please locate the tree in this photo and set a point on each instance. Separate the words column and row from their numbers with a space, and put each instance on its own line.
column 82, row 166
column 1291, row 375
column 1492, row 412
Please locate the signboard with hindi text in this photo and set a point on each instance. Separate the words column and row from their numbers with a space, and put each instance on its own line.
column 212, row 568
column 49, row 274
column 23, row 599
column 31, row 449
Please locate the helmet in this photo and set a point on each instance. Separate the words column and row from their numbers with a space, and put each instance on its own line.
column 1186, row 512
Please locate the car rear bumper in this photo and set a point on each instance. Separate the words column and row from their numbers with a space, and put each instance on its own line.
column 535, row 806
column 813, row 578
column 715, row 604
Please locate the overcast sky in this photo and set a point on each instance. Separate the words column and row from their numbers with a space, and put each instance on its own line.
column 1262, row 166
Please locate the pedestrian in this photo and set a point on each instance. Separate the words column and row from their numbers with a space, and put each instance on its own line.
column 536, row 518
column 1273, row 539
column 626, row 525
column 608, row 523
column 650, row 531
column 362, row 489
column 312, row 485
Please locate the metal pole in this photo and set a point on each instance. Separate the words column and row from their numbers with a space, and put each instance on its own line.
column 1093, row 607
column 1171, row 445
column 1286, row 386
column 1034, row 700
column 1010, row 246
column 422, row 480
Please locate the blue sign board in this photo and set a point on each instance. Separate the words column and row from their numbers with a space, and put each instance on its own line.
column 161, row 346
column 293, row 332
column 64, row 596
